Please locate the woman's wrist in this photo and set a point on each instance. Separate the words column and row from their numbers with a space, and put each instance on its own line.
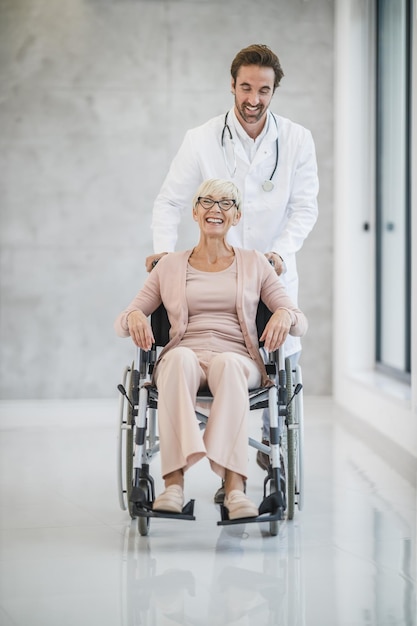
column 292, row 322
column 127, row 318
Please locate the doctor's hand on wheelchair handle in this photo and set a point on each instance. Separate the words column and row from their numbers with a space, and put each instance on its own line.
column 152, row 260
column 140, row 330
column 276, row 261
column 276, row 330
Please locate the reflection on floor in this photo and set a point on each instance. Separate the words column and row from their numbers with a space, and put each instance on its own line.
column 70, row 556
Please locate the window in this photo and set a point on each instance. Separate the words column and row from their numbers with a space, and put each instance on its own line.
column 393, row 242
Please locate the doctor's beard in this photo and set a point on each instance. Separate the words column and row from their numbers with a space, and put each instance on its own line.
column 250, row 115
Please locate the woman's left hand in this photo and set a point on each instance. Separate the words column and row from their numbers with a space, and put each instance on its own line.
column 276, row 330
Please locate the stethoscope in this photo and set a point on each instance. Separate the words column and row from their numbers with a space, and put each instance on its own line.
column 267, row 185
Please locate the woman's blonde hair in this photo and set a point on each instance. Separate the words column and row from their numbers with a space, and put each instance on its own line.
column 218, row 187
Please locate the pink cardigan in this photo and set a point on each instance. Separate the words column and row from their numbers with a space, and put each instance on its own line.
column 256, row 280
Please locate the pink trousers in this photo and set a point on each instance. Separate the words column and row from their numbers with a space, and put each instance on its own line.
column 179, row 376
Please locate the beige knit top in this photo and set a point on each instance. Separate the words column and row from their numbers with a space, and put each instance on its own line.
column 208, row 293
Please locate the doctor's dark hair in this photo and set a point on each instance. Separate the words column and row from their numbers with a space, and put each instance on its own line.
column 218, row 187
column 257, row 54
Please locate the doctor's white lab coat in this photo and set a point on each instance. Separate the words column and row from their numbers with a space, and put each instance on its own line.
column 272, row 221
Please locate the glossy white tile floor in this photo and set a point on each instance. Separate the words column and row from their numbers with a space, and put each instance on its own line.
column 70, row 557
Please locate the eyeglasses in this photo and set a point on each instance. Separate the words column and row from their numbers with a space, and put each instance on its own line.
column 208, row 203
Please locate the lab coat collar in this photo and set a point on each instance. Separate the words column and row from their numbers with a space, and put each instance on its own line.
column 244, row 143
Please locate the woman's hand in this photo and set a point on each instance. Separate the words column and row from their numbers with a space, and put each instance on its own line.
column 140, row 330
column 276, row 330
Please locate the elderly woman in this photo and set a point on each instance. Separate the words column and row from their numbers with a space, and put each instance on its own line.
column 211, row 294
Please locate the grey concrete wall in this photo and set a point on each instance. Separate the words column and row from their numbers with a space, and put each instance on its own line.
column 95, row 96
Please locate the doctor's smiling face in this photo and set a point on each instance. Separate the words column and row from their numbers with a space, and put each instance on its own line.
column 253, row 89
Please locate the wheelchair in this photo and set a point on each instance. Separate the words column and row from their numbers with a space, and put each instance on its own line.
column 138, row 439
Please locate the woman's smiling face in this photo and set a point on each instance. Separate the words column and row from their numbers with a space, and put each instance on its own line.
column 215, row 220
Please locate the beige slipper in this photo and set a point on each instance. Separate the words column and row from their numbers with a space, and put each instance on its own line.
column 239, row 505
column 170, row 500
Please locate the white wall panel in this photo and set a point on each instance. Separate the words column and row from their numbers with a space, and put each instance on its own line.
column 95, row 98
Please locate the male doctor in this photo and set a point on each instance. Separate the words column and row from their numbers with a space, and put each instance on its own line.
column 272, row 161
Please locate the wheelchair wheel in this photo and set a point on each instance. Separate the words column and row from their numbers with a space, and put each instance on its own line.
column 273, row 526
column 130, row 445
column 299, row 420
column 125, row 443
column 144, row 522
column 291, row 444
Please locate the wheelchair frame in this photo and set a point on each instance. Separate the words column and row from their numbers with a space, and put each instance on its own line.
column 138, row 439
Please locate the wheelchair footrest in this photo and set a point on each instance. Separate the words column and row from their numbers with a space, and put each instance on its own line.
column 270, row 510
column 271, row 503
column 144, row 509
